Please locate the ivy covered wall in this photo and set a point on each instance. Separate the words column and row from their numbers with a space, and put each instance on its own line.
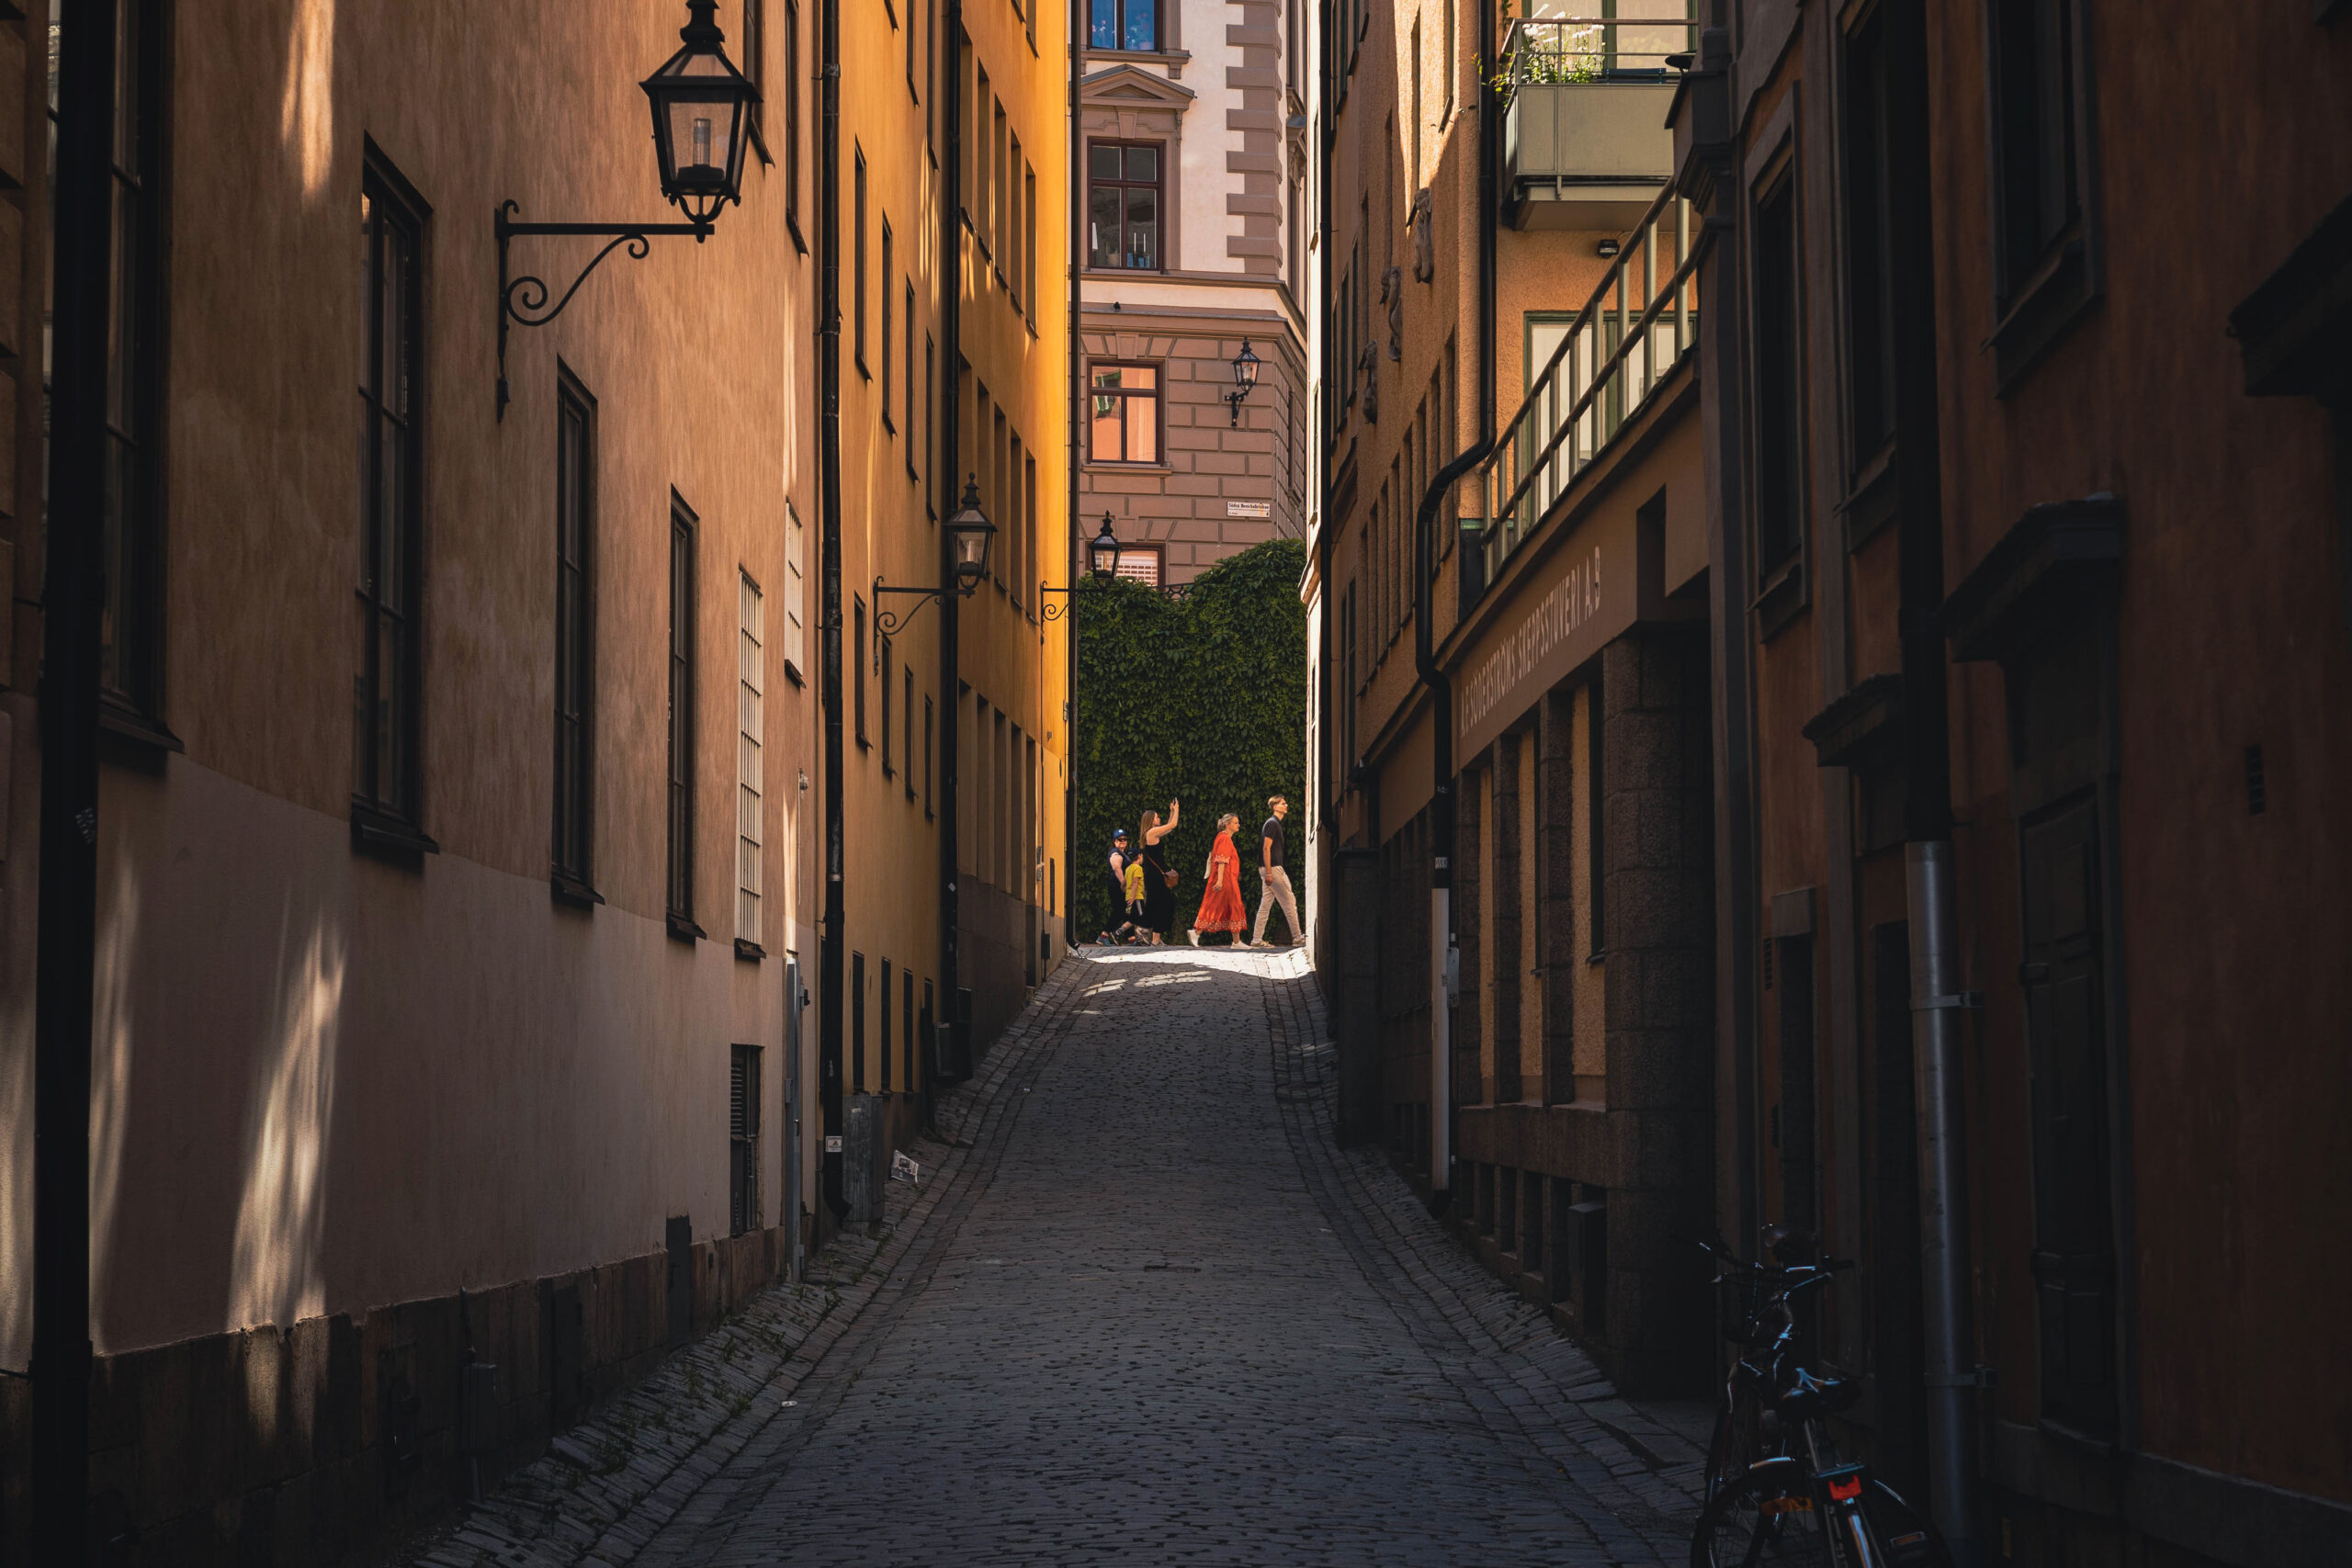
column 1200, row 697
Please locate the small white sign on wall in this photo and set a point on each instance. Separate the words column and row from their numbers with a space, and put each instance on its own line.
column 1249, row 509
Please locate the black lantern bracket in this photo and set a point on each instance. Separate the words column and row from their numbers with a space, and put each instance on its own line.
column 522, row 301
column 1052, row 613
column 891, row 625
column 1245, row 380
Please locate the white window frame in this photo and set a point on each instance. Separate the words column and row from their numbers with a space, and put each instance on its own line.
column 750, row 828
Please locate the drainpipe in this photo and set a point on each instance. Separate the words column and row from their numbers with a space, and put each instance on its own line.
column 950, row 390
column 828, row 485
column 1937, row 998
column 1075, row 523
column 1441, row 949
column 68, row 897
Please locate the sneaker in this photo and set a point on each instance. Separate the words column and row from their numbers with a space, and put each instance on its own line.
column 1195, row 936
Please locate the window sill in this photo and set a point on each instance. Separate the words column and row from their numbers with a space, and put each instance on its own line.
column 572, row 892
column 373, row 832
column 682, row 929
column 752, row 952
column 1869, row 505
column 792, row 227
column 1782, row 600
column 2057, row 294
column 134, row 739
column 792, row 673
column 1120, row 466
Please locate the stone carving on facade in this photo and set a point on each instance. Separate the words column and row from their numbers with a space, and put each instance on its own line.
column 1392, row 293
column 1368, row 362
column 1424, row 247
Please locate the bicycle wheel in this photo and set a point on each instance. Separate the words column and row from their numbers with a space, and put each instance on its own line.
column 1766, row 1518
column 1739, row 1439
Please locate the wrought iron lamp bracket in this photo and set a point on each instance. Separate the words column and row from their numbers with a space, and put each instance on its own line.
column 889, row 625
column 522, row 301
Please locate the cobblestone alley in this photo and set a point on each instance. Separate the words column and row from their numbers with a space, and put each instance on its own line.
column 1140, row 1311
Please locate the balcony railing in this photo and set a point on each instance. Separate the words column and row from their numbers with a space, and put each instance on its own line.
column 1585, row 143
column 1629, row 335
column 1593, row 49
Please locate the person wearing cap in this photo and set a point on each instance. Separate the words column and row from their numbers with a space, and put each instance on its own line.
column 1118, row 868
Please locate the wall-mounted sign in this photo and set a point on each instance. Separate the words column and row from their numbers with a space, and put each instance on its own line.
column 1575, row 603
column 1249, row 509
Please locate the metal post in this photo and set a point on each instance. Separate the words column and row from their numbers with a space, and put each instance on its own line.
column 68, row 898
column 1943, row 1235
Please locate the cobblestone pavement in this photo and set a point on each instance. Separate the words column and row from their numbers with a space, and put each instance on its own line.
column 1145, row 1313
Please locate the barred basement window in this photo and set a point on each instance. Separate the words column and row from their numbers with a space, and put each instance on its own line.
column 743, row 1140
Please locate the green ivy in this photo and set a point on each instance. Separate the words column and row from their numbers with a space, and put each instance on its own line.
column 1200, row 697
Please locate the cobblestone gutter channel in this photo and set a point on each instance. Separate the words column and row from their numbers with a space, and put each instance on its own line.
column 1140, row 1310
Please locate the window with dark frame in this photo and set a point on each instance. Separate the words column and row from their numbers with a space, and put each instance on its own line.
column 857, row 656
column 384, row 720
column 792, row 118
column 858, row 296
column 883, row 650
column 926, row 757
column 1014, row 226
column 914, row 11
column 1029, row 241
column 907, row 1016
column 888, row 306
column 1123, row 193
column 751, row 39
column 883, row 1055
column 571, row 842
column 743, row 1140
column 131, row 651
column 680, row 783
column 1870, row 298
column 911, row 426
column 1123, row 406
column 1129, row 25
column 857, row 1022
column 1779, row 466
column 2034, row 123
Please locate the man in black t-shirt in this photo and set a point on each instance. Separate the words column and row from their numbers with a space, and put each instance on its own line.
column 1274, row 879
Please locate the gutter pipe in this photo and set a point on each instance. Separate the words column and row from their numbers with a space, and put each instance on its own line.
column 950, row 1064
column 1443, row 958
column 828, row 484
column 68, row 697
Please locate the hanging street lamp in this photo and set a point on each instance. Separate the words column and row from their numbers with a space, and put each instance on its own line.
column 702, row 109
column 1102, row 553
column 1102, row 563
column 1245, row 379
column 970, row 534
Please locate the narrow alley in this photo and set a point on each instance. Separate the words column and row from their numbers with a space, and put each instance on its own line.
column 1144, row 1312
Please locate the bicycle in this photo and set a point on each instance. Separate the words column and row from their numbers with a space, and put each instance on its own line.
column 1778, row 1492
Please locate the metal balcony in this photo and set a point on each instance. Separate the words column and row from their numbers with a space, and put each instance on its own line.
column 1585, row 140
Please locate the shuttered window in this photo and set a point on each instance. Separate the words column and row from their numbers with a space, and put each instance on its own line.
column 751, row 683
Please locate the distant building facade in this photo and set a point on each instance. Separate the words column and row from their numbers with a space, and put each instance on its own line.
column 1192, row 244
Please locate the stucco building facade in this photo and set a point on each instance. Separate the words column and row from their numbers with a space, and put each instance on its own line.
column 1192, row 243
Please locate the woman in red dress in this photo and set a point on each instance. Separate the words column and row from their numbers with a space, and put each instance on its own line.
column 1221, row 907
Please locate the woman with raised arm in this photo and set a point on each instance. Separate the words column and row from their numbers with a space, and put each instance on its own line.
column 1159, row 880
column 1221, row 907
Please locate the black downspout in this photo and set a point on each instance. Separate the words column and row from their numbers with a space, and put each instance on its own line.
column 946, row 1064
column 1931, row 895
column 1424, row 642
column 1075, row 523
column 68, row 897
column 828, row 485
